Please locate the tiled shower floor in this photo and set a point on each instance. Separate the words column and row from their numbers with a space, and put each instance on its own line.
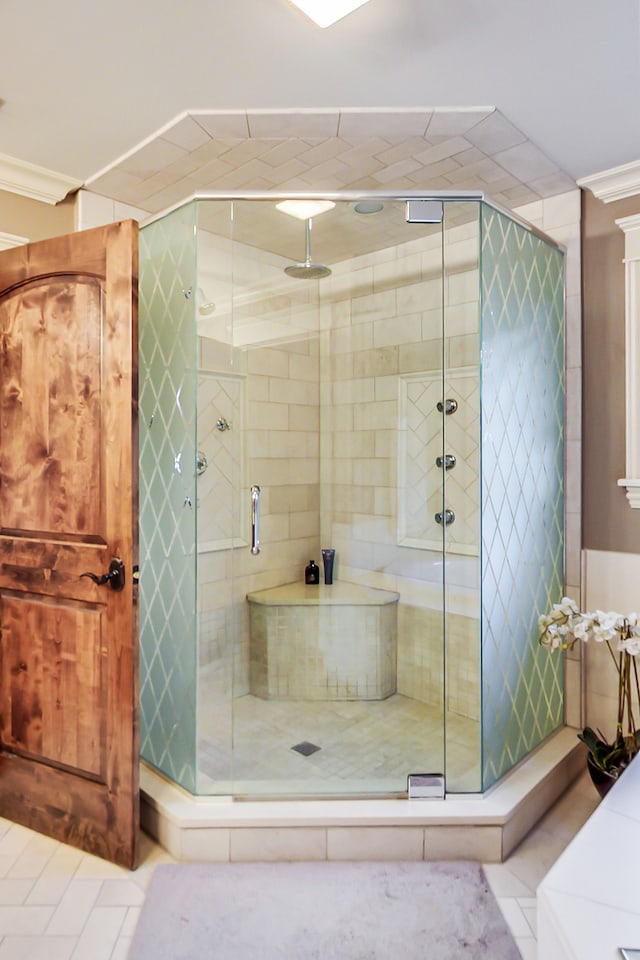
column 365, row 746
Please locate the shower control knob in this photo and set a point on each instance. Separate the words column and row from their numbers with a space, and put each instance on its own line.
column 449, row 406
column 448, row 461
column 446, row 518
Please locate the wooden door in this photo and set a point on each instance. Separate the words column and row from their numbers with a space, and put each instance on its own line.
column 68, row 506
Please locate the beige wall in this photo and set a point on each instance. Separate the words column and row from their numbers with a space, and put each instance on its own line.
column 23, row 217
column 609, row 524
column 611, row 529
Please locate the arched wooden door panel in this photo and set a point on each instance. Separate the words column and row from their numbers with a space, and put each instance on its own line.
column 68, row 507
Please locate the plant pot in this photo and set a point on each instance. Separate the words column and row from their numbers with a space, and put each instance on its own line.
column 601, row 780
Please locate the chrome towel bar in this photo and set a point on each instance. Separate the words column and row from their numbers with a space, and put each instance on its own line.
column 255, row 519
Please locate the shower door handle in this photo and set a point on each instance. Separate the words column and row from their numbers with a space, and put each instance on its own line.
column 255, row 520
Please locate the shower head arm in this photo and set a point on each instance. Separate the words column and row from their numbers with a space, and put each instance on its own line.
column 307, row 256
column 307, row 270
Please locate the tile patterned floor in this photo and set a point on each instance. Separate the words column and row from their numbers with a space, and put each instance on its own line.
column 514, row 882
column 367, row 745
column 57, row 903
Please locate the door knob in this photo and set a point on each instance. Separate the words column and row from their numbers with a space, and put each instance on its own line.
column 115, row 577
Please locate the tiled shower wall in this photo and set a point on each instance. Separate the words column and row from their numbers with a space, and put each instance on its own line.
column 367, row 340
column 280, row 453
column 389, row 335
column 381, row 320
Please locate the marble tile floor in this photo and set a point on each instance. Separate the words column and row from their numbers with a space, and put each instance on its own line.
column 57, row 903
column 364, row 744
column 514, row 882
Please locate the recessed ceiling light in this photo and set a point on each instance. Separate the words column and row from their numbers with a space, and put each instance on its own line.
column 326, row 12
column 368, row 206
column 303, row 209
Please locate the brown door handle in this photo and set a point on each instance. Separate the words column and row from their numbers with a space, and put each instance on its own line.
column 115, row 577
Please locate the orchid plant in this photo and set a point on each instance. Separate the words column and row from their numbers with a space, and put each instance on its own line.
column 565, row 626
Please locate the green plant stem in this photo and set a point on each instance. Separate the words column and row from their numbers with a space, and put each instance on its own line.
column 635, row 673
column 613, row 656
column 621, row 694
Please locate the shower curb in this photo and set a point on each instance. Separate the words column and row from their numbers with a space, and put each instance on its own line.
column 479, row 827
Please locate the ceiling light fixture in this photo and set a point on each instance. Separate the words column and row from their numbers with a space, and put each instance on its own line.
column 303, row 209
column 368, row 206
column 326, row 12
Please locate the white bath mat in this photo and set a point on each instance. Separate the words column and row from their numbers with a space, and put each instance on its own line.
column 328, row 911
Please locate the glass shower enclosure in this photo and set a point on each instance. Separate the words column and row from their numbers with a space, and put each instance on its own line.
column 379, row 384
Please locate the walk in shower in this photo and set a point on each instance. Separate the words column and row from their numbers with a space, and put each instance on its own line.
column 398, row 397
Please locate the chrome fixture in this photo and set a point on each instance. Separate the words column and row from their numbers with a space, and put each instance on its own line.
column 223, row 424
column 308, row 270
column 448, row 461
column 205, row 306
column 445, row 518
column 425, row 211
column 201, row 463
column 425, row 786
column 255, row 520
column 449, row 406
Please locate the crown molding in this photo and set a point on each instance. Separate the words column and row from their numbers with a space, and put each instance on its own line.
column 614, row 184
column 9, row 240
column 37, row 183
column 631, row 228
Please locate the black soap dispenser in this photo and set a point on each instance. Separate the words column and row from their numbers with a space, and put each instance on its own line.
column 312, row 573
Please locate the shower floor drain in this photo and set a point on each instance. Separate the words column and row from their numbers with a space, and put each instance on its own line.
column 306, row 748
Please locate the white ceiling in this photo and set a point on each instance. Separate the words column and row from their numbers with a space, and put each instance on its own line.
column 149, row 98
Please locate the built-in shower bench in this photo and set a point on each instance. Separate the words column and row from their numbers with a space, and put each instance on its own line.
column 319, row 642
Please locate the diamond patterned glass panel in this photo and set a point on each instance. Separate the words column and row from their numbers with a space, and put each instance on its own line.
column 167, row 495
column 522, row 390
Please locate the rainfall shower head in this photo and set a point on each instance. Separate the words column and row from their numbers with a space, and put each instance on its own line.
column 307, row 270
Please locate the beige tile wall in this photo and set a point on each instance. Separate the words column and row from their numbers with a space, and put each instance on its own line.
column 421, row 659
column 281, row 455
column 379, row 319
column 390, row 327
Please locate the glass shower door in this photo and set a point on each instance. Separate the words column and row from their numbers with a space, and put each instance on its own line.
column 461, row 474
column 338, row 688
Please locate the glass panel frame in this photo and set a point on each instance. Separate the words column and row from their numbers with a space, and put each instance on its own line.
column 523, row 401
column 461, row 437
column 168, row 565
column 221, row 528
column 361, row 330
